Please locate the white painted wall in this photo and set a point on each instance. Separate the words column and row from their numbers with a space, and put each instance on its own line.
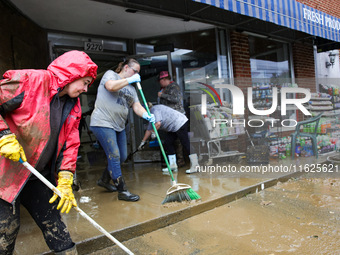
column 330, row 75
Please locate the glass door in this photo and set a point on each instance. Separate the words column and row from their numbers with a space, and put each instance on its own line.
column 151, row 65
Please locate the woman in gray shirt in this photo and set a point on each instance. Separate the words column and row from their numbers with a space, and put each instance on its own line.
column 114, row 98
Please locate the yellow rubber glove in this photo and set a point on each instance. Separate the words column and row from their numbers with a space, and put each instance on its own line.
column 65, row 181
column 11, row 148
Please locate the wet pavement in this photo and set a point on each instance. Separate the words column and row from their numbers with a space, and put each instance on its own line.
column 296, row 217
column 128, row 220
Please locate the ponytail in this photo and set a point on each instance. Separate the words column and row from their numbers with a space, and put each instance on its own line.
column 126, row 62
column 120, row 67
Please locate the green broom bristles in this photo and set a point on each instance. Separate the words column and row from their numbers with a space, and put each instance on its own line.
column 182, row 192
column 192, row 194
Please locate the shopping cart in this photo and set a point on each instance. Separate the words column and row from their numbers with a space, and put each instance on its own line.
column 212, row 129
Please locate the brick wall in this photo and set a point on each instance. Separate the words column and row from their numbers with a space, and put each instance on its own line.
column 331, row 7
column 241, row 59
column 304, row 68
column 239, row 45
column 23, row 43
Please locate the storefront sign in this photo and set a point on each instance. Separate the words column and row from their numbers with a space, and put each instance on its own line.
column 318, row 18
column 288, row 13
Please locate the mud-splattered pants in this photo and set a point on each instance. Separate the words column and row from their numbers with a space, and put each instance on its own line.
column 115, row 147
column 35, row 198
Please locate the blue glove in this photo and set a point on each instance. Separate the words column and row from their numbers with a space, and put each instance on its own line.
column 150, row 118
column 134, row 78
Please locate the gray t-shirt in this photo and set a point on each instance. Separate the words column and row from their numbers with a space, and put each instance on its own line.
column 111, row 108
column 171, row 120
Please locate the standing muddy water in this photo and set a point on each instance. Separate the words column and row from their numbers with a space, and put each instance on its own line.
column 300, row 216
column 295, row 217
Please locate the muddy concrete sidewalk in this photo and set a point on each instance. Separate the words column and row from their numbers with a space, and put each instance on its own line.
column 126, row 220
column 300, row 216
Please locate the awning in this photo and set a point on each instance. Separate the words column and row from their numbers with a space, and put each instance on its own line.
column 287, row 13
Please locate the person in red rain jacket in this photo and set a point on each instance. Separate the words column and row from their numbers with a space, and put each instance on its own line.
column 39, row 118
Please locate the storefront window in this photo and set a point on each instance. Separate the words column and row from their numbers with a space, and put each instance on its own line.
column 270, row 67
column 269, row 61
column 194, row 59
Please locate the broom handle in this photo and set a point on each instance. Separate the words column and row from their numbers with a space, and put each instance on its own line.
column 82, row 213
column 154, row 128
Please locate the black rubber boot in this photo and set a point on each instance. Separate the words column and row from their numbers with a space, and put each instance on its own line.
column 71, row 251
column 104, row 181
column 123, row 193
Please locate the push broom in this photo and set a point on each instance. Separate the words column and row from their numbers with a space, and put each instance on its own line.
column 178, row 192
column 81, row 212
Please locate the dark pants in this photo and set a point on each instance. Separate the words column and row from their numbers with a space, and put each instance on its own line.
column 179, row 151
column 35, row 198
column 182, row 135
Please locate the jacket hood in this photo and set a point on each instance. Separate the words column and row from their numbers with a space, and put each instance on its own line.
column 71, row 66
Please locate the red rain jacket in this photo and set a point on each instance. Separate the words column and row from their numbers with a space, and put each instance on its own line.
column 25, row 97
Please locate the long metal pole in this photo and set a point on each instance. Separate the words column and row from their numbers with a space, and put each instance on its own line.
column 82, row 213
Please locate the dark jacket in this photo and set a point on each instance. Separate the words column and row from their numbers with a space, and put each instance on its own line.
column 172, row 97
